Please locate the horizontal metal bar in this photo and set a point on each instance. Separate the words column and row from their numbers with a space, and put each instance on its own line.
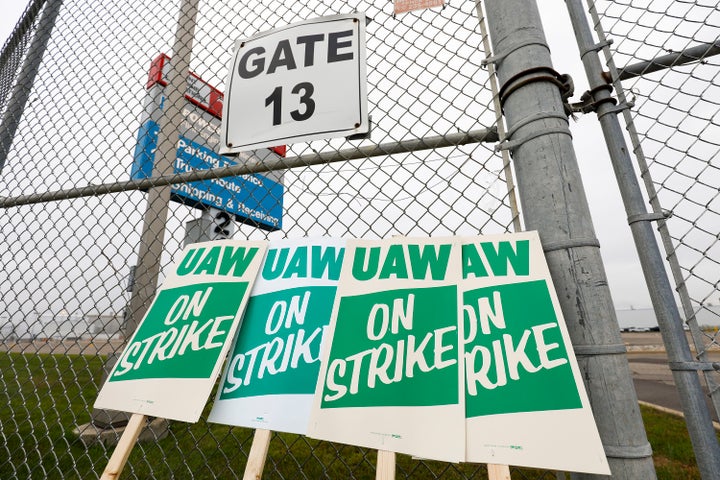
column 487, row 135
column 690, row 55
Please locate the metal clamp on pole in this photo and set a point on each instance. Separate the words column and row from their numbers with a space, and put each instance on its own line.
column 588, row 102
column 533, row 75
column 628, row 451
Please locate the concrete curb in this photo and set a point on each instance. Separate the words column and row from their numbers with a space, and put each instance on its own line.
column 676, row 413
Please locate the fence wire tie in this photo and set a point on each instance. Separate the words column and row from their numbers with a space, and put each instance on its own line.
column 597, row 47
column 509, row 144
column 592, row 350
column 533, row 118
column 513, row 144
column 649, row 217
column 694, row 366
column 496, row 59
column 570, row 243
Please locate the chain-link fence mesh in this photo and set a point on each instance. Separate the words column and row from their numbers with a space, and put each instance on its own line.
column 66, row 262
column 664, row 51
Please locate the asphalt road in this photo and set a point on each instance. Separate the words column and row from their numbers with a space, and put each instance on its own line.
column 651, row 374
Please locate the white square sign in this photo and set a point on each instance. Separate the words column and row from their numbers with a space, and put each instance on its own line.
column 302, row 82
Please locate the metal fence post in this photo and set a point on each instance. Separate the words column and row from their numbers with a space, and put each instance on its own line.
column 25, row 79
column 676, row 268
column 554, row 203
column 685, row 371
column 153, row 233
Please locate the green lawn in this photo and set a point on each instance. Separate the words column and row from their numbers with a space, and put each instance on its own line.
column 44, row 397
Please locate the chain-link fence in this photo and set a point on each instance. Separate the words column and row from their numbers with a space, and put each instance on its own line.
column 72, row 221
column 665, row 54
column 67, row 262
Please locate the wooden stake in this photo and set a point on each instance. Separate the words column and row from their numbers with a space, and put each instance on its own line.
column 498, row 472
column 258, row 454
column 385, row 469
column 124, row 447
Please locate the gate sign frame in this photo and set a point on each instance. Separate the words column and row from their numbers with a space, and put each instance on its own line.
column 251, row 199
column 302, row 82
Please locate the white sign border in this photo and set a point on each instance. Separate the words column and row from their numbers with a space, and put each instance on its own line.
column 278, row 412
column 181, row 399
column 363, row 116
column 440, row 434
column 574, row 443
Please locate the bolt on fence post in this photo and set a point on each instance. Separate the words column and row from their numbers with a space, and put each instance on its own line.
column 25, row 79
column 697, row 416
column 554, row 204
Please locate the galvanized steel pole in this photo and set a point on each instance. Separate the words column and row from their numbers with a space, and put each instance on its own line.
column 153, row 234
column 554, row 203
column 682, row 364
column 152, row 239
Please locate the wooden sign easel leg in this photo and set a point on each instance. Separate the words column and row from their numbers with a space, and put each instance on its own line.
column 498, row 472
column 124, row 447
column 258, row 454
column 385, row 469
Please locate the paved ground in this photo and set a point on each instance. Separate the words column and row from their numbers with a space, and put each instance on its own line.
column 651, row 374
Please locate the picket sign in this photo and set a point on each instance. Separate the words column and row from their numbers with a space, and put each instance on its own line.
column 498, row 472
column 385, row 469
column 258, row 455
column 187, row 332
column 124, row 447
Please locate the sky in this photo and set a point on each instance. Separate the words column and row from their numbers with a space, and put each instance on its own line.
column 617, row 247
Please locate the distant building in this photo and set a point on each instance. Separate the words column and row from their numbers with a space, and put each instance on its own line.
column 109, row 325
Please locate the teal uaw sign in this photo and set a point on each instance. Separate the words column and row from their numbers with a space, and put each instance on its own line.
column 271, row 372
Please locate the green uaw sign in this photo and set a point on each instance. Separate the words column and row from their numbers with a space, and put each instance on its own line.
column 170, row 364
column 396, row 348
column 272, row 369
column 181, row 333
column 391, row 378
column 524, row 398
column 516, row 357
